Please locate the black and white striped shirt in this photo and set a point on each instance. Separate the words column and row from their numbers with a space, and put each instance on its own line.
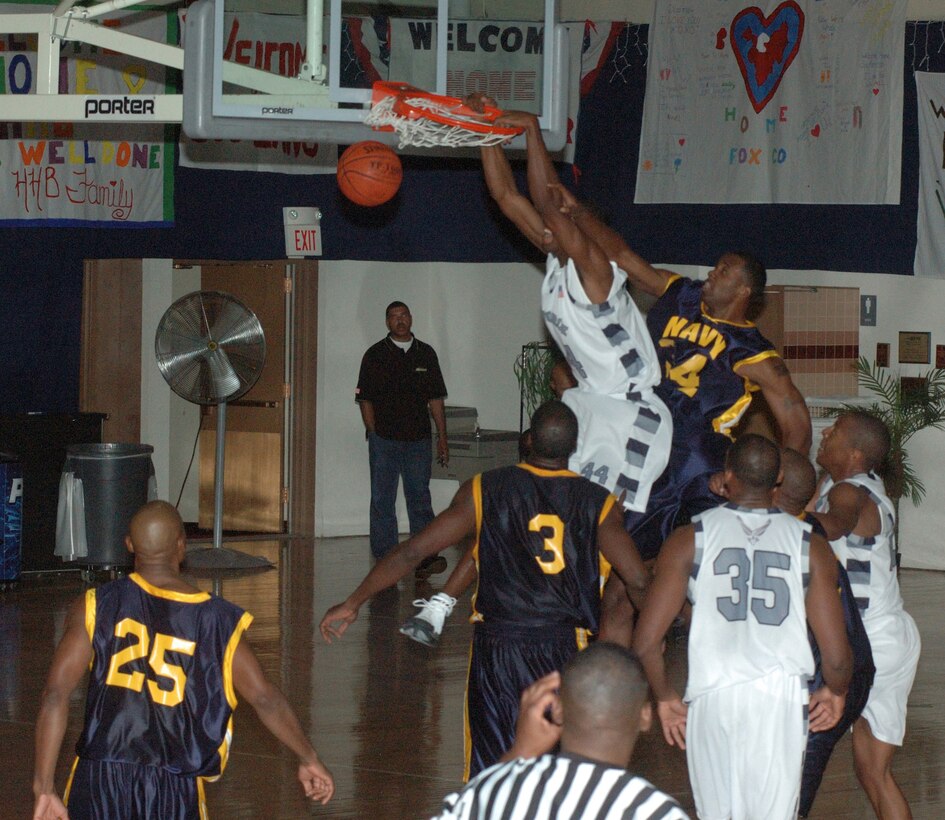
column 559, row 787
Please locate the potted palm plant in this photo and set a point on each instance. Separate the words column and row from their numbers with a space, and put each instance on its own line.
column 533, row 371
column 906, row 406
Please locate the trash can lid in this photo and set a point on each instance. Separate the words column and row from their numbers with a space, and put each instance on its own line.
column 109, row 451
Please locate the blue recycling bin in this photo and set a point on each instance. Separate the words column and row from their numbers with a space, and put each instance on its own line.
column 11, row 537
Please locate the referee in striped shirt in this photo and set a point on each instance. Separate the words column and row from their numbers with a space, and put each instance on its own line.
column 601, row 708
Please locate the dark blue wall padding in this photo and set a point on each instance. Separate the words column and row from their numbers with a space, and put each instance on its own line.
column 442, row 213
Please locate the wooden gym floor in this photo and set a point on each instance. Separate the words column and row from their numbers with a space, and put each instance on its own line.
column 386, row 713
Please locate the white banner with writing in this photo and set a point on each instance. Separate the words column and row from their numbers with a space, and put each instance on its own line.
column 107, row 172
column 930, row 224
column 798, row 102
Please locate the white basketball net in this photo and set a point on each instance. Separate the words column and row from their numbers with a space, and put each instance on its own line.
column 426, row 133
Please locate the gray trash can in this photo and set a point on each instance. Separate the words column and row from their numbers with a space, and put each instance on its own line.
column 101, row 488
column 11, row 517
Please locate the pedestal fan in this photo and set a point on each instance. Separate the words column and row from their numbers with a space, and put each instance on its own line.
column 211, row 349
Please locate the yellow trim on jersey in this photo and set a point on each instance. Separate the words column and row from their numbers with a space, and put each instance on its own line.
column 231, row 645
column 724, row 422
column 608, row 503
column 582, row 637
column 223, row 750
column 90, row 620
column 758, row 357
column 604, row 569
column 169, row 594
column 672, row 278
column 202, row 800
column 467, row 735
column 477, row 503
column 541, row 471
column 711, row 318
column 65, row 794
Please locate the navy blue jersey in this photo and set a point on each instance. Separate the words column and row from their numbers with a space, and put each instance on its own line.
column 160, row 690
column 700, row 357
column 536, row 547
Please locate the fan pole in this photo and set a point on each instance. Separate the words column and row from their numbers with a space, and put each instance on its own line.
column 218, row 477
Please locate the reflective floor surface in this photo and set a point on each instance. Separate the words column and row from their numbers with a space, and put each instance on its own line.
column 386, row 714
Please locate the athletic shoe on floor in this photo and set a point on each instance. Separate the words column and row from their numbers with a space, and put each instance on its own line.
column 429, row 566
column 425, row 627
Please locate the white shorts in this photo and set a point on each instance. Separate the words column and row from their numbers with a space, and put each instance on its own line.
column 622, row 444
column 895, row 642
column 745, row 749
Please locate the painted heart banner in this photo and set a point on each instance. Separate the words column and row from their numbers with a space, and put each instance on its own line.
column 796, row 102
column 930, row 223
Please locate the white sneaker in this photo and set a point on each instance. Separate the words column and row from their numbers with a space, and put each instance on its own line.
column 425, row 627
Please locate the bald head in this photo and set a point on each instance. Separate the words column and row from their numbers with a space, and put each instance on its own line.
column 798, row 483
column 603, row 690
column 554, row 430
column 755, row 461
column 156, row 531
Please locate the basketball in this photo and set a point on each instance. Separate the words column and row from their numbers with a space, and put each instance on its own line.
column 369, row 173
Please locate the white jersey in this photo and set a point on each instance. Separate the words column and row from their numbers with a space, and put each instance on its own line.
column 870, row 562
column 747, row 588
column 624, row 430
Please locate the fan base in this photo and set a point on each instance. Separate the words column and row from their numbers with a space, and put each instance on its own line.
column 224, row 558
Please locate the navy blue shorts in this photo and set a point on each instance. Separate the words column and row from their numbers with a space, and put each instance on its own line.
column 503, row 662
column 126, row 791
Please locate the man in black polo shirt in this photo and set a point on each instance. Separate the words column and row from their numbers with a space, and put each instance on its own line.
column 400, row 378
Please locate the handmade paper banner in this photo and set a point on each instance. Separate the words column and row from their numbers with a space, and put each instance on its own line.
column 799, row 102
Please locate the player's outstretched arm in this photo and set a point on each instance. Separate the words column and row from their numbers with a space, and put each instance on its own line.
column 785, row 400
column 277, row 716
column 825, row 616
column 70, row 662
column 664, row 600
column 449, row 527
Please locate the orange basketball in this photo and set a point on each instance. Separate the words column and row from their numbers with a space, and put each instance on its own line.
column 369, row 173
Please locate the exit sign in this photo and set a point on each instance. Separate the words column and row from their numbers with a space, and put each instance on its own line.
column 303, row 233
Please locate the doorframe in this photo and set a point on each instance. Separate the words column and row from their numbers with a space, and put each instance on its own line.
column 97, row 383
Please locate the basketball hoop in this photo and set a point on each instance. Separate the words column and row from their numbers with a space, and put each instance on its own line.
column 426, row 120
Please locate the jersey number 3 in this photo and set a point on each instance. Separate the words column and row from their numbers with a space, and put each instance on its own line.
column 770, row 609
column 156, row 660
column 551, row 559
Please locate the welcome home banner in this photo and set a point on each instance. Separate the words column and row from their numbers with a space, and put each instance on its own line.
column 797, row 102
column 930, row 223
column 107, row 173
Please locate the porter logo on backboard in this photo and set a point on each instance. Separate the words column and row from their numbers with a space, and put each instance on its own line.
column 115, row 108
column 277, row 111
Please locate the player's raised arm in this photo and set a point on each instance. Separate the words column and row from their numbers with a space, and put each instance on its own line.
column 785, row 400
column 449, row 527
column 641, row 273
column 69, row 665
column 513, row 203
column 592, row 265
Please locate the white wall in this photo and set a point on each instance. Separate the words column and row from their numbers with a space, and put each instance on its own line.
column 477, row 317
column 912, row 304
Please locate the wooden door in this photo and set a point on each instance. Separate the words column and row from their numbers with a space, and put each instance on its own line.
column 253, row 479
